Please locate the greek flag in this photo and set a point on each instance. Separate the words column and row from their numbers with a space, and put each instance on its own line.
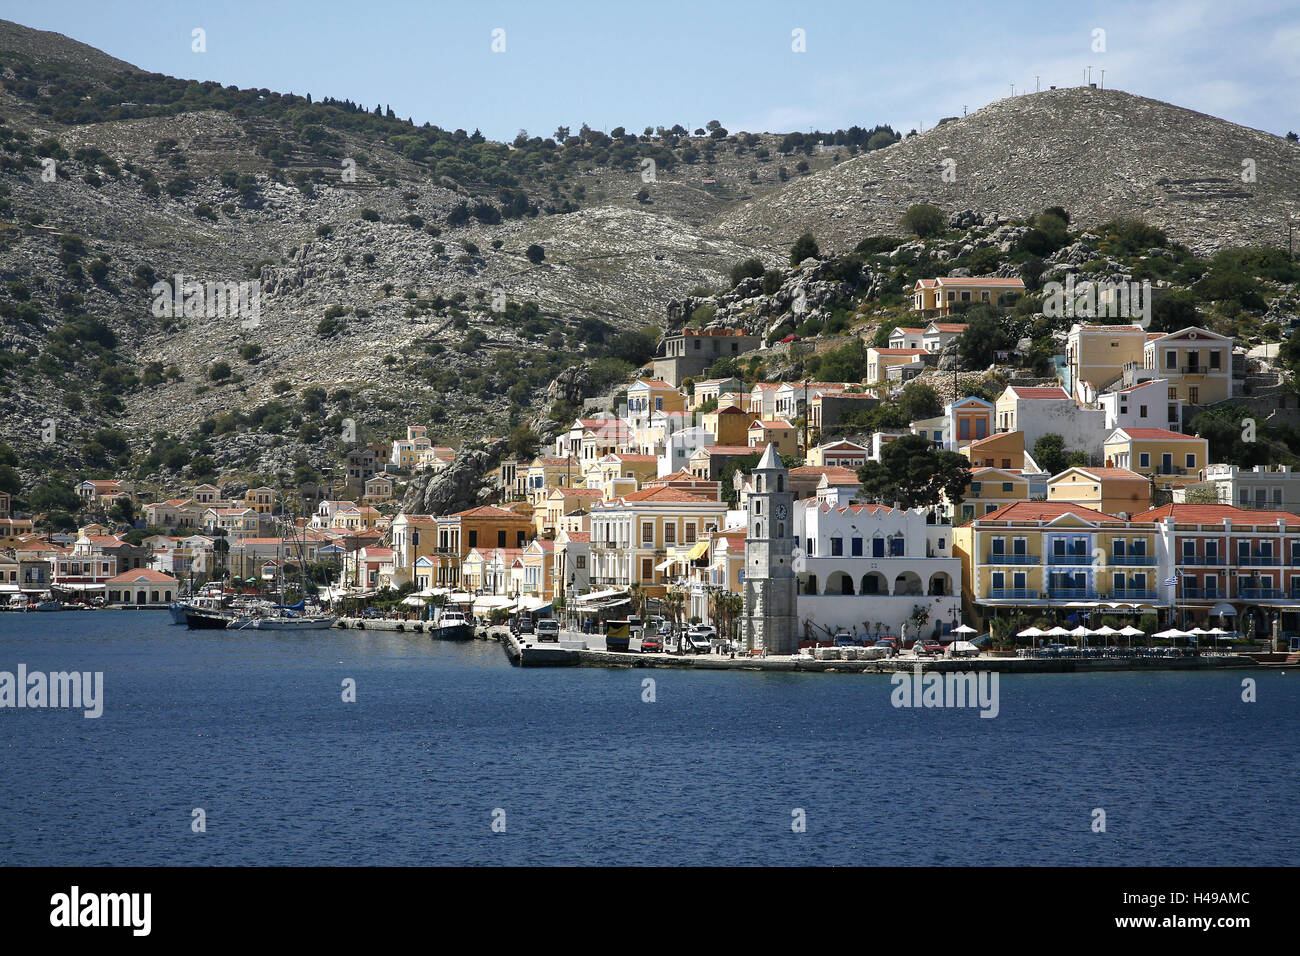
column 1172, row 581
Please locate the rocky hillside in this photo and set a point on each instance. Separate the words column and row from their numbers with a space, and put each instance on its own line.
column 1101, row 154
column 414, row 273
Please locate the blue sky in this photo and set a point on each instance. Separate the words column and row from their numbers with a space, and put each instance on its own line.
column 633, row 63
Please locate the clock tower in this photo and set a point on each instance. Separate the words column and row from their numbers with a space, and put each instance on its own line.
column 770, row 618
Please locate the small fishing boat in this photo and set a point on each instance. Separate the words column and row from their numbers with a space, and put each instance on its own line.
column 293, row 622
column 452, row 626
column 48, row 606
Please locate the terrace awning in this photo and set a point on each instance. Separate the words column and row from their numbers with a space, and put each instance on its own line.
column 698, row 549
column 1223, row 608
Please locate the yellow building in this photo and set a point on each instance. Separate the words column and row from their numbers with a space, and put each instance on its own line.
column 649, row 395
column 563, row 501
column 1112, row 491
column 989, row 490
column 1003, row 450
column 776, row 432
column 1097, row 354
column 1167, row 456
column 1039, row 555
column 939, row 296
column 632, row 536
column 546, row 473
column 261, row 500
column 1196, row 364
column 880, row 360
column 728, row 426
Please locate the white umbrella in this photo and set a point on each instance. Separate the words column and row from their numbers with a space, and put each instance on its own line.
column 1081, row 631
column 964, row 629
column 1031, row 631
column 1217, row 631
column 1198, row 631
column 1173, row 632
column 1106, row 631
column 1057, row 631
column 1129, row 630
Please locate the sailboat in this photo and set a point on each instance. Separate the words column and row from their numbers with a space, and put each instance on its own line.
column 294, row 617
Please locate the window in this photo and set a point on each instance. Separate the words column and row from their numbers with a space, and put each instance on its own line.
column 648, row 532
column 857, row 547
column 580, row 562
column 690, row 532
column 1144, row 460
column 999, row 580
column 999, row 546
column 1171, row 359
column 1193, row 394
column 670, row 533
column 1191, row 461
column 1007, row 486
column 1142, row 411
column 1215, row 359
column 837, row 547
column 473, row 538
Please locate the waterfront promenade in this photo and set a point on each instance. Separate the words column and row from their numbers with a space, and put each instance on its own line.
column 588, row 650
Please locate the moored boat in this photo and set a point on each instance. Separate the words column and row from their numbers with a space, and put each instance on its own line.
column 452, row 626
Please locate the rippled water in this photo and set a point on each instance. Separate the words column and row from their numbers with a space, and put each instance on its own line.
column 252, row 728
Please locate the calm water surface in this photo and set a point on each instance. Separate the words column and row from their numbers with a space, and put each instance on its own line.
column 251, row 728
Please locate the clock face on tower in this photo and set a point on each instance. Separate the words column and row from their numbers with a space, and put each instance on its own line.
column 780, row 512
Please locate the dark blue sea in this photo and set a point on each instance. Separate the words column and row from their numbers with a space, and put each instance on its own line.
column 444, row 738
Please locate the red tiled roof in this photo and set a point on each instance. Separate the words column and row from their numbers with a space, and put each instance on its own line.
column 900, row 351
column 729, row 449
column 142, row 576
column 1152, row 434
column 578, row 536
column 486, row 511
column 665, row 493
column 1215, row 514
column 1040, row 391
column 1042, row 511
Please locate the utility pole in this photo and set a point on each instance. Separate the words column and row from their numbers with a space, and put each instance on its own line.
column 1037, row 88
column 1103, row 79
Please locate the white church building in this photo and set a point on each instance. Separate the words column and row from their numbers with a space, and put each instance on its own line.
column 871, row 570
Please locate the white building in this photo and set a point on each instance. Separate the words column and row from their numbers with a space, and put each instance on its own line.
column 680, row 445
column 1268, row 487
column 1039, row 411
column 863, row 565
column 1145, row 405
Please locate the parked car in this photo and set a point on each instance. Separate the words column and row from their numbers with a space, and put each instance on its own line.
column 928, row 647
column 548, row 629
column 844, row 639
column 700, row 637
column 522, row 626
column 653, row 644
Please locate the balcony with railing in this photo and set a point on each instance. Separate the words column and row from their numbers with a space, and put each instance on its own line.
column 1201, row 561
column 1072, row 558
column 1131, row 594
column 1133, row 560
column 1260, row 594
column 1016, row 559
column 1012, row 594
column 1259, row 561
column 1202, row 594
column 1071, row 594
